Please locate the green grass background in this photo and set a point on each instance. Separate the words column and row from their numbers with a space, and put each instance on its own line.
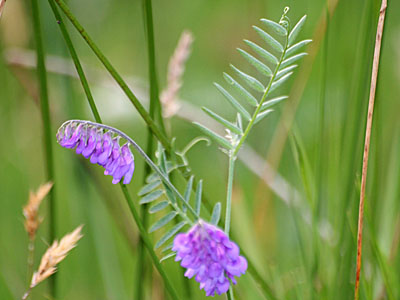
column 322, row 158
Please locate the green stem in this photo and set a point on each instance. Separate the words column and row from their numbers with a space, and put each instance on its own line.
column 148, row 244
column 76, row 61
column 45, row 111
column 131, row 96
column 154, row 106
column 231, row 171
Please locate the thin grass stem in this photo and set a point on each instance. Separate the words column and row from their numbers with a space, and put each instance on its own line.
column 374, row 77
column 45, row 112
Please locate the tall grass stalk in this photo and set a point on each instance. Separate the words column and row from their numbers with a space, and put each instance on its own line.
column 374, row 77
column 154, row 109
column 45, row 111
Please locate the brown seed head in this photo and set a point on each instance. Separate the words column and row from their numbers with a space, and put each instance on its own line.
column 176, row 67
column 54, row 254
column 32, row 220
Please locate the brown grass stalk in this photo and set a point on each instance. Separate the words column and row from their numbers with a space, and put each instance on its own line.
column 54, row 255
column 176, row 68
column 374, row 77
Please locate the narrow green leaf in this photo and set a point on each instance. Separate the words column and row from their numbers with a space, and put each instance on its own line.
column 239, row 122
column 279, row 82
column 293, row 49
column 149, row 187
column 151, row 197
column 170, row 233
column 269, row 39
column 219, row 139
column 279, row 29
column 272, row 102
column 197, row 201
column 170, row 194
column 163, row 221
column 188, row 190
column 168, row 247
column 159, row 206
column 152, row 177
column 262, row 115
column 216, row 214
column 284, row 71
column 291, row 60
column 167, row 256
column 233, row 102
column 296, row 30
column 250, row 81
column 222, row 121
column 263, row 69
column 262, row 52
column 241, row 90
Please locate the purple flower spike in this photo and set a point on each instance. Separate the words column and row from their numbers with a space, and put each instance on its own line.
column 100, row 146
column 208, row 254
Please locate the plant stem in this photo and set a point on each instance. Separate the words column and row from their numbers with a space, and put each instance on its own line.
column 76, row 61
column 374, row 77
column 154, row 106
column 148, row 244
column 31, row 253
column 45, row 111
column 131, row 96
column 231, row 171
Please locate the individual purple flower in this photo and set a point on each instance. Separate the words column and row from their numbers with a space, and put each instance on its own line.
column 208, row 254
column 100, row 147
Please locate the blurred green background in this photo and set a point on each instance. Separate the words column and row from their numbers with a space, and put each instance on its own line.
column 304, row 251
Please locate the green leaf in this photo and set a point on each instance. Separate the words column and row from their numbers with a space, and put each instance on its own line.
column 216, row 214
column 170, row 233
column 262, row 115
column 279, row 82
column 250, row 81
column 159, row 206
column 168, row 247
column 149, row 187
column 163, row 221
column 296, row 30
column 151, row 197
column 188, row 190
column 219, row 139
column 263, row 69
column 239, row 122
column 269, row 39
column 293, row 49
column 272, row 102
column 262, row 52
column 284, row 71
column 279, row 29
column 291, row 60
column 241, row 90
column 170, row 194
column 167, row 256
column 152, row 177
column 197, row 200
column 233, row 102
column 222, row 121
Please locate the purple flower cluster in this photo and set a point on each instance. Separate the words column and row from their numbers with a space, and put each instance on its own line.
column 207, row 253
column 101, row 147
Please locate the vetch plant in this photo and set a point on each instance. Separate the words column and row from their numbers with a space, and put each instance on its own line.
column 205, row 250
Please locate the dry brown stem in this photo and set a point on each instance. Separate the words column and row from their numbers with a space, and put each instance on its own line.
column 374, row 77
